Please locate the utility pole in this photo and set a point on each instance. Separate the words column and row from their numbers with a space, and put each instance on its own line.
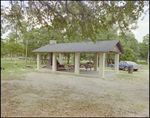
column 26, row 50
column 16, row 54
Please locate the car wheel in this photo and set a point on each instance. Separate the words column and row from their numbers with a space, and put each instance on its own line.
column 126, row 68
column 135, row 69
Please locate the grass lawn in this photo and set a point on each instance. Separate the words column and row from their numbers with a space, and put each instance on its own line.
column 9, row 66
column 145, row 67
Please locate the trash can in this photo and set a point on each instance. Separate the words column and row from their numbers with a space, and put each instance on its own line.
column 130, row 69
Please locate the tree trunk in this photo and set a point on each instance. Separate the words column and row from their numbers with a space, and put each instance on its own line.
column 108, row 62
column 148, row 58
column 5, row 56
column 45, row 61
column 98, row 61
column 112, row 61
column 51, row 58
column 49, row 63
column 26, row 51
column 68, row 59
column 65, row 58
column 42, row 60
column 74, row 59
column 15, row 60
column 11, row 56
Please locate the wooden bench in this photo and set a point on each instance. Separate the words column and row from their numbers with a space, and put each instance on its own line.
column 59, row 66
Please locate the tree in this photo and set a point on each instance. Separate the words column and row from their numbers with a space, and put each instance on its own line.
column 82, row 17
column 131, row 47
column 76, row 21
column 144, row 48
column 4, row 48
column 110, row 34
column 146, row 42
column 12, row 45
column 13, row 18
column 40, row 37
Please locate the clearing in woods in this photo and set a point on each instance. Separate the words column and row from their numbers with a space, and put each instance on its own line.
column 47, row 94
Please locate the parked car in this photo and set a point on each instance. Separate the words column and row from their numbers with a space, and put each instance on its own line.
column 123, row 65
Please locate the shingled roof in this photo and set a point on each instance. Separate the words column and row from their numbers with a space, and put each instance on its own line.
column 84, row 47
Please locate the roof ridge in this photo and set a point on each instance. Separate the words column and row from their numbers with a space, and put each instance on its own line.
column 85, row 42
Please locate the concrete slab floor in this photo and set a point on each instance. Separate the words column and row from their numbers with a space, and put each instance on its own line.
column 83, row 72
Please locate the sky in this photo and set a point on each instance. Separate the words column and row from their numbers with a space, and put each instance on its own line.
column 143, row 28
column 140, row 32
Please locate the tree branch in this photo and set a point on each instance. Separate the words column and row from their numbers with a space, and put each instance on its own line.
column 55, row 5
column 70, row 11
column 50, row 8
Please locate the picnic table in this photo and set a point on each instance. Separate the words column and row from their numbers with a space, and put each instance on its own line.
column 70, row 67
column 81, row 65
column 88, row 66
column 60, row 66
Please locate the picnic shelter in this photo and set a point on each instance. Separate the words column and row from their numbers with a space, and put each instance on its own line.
column 99, row 49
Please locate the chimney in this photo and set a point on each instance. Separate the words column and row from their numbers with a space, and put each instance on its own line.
column 52, row 41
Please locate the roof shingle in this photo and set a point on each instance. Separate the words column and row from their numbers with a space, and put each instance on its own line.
column 101, row 46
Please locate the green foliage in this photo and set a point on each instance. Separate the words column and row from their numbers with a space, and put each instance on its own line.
column 38, row 37
column 142, row 63
column 15, row 47
column 89, row 57
column 71, row 21
column 12, row 44
column 4, row 49
column 144, row 47
column 80, row 19
column 129, row 55
column 12, row 18
column 146, row 40
column 130, row 45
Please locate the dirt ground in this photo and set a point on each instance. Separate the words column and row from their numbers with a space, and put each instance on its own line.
column 46, row 94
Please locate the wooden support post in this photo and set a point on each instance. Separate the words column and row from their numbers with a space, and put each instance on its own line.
column 77, row 62
column 117, row 63
column 102, row 65
column 38, row 60
column 74, row 60
column 60, row 58
column 54, row 66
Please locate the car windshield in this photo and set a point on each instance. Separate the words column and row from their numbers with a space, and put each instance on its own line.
column 132, row 63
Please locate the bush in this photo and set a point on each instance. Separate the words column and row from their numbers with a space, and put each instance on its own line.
column 142, row 63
